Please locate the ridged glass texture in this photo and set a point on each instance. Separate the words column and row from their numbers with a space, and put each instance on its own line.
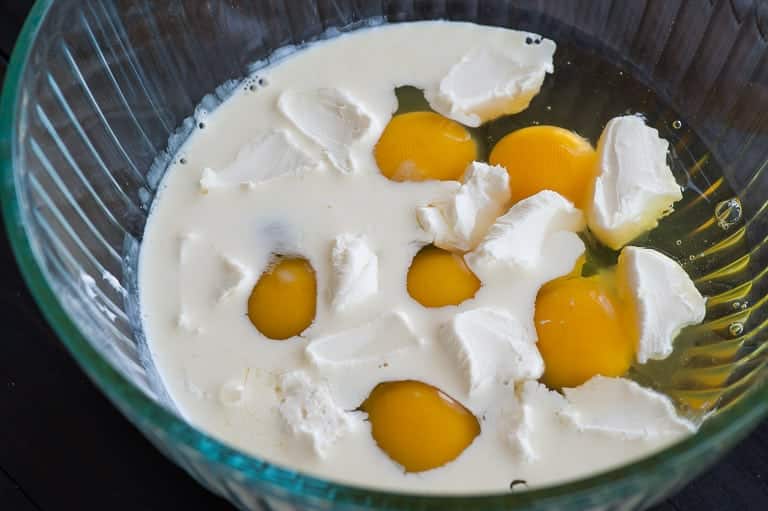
column 100, row 92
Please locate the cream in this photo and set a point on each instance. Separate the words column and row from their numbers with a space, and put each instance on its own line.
column 289, row 169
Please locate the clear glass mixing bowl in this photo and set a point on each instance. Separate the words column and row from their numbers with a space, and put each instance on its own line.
column 99, row 94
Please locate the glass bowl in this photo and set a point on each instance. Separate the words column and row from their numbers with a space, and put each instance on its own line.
column 99, row 94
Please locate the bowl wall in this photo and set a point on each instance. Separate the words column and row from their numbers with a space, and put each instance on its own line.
column 100, row 94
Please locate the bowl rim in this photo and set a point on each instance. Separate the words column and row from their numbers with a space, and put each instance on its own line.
column 725, row 428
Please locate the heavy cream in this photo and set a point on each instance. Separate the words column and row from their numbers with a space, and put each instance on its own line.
column 289, row 169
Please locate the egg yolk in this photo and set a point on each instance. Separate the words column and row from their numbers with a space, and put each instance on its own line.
column 546, row 158
column 418, row 146
column 584, row 330
column 417, row 425
column 438, row 278
column 282, row 303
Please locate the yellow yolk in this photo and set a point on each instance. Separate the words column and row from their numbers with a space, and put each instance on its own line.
column 418, row 146
column 437, row 278
column 417, row 425
column 578, row 267
column 546, row 158
column 583, row 329
column 282, row 303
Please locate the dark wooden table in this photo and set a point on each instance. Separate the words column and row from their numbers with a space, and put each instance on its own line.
column 63, row 446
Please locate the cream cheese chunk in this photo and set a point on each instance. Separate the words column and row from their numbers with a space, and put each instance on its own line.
column 331, row 118
column 488, row 83
column 271, row 155
column 524, row 417
column 615, row 411
column 235, row 276
column 459, row 222
column 309, row 411
column 383, row 336
column 194, row 252
column 356, row 271
column 617, row 406
column 664, row 298
column 517, row 238
column 517, row 428
column 491, row 346
column 634, row 185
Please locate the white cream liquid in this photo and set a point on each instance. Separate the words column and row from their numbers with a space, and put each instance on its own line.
column 222, row 373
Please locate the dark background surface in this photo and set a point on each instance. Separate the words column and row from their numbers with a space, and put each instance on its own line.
column 63, row 446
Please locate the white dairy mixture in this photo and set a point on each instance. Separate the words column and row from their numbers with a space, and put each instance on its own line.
column 289, row 168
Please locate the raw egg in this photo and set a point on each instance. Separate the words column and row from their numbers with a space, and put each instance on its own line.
column 418, row 146
column 546, row 158
column 417, row 425
column 438, row 278
column 282, row 303
column 584, row 329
